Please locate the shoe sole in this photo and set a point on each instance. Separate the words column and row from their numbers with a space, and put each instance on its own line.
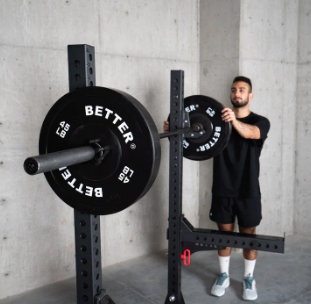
column 249, row 299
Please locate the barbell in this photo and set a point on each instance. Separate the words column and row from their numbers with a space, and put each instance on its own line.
column 100, row 151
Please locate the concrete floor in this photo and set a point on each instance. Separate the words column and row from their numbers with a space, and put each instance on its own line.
column 280, row 278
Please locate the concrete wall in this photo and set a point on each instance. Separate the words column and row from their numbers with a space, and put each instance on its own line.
column 302, row 215
column 268, row 50
column 219, row 62
column 137, row 43
column 257, row 39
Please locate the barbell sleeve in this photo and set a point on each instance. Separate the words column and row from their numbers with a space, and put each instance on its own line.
column 52, row 161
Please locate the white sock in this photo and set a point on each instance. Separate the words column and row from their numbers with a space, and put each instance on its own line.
column 224, row 263
column 249, row 267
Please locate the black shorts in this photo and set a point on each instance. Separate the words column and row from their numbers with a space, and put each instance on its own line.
column 225, row 209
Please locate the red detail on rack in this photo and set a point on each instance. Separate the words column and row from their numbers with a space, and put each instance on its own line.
column 186, row 257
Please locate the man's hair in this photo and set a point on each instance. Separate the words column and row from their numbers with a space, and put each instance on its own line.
column 244, row 79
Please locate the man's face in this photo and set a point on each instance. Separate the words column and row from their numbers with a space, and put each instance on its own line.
column 240, row 94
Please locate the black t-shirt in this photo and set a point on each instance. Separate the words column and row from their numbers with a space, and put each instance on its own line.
column 236, row 169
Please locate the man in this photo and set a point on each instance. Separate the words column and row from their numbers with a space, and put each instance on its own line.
column 236, row 191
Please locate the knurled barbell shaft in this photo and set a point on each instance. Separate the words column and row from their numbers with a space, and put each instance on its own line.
column 52, row 161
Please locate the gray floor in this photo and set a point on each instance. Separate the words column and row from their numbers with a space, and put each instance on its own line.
column 280, row 279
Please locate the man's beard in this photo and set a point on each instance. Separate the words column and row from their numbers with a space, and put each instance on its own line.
column 239, row 104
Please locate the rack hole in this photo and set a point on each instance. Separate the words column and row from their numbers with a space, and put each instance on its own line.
column 84, row 273
column 85, row 298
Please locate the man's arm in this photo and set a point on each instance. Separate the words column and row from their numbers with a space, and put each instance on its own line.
column 245, row 130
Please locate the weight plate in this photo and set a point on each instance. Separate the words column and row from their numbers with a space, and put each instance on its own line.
column 110, row 118
column 205, row 112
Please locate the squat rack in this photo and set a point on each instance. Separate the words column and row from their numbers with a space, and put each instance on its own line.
column 183, row 238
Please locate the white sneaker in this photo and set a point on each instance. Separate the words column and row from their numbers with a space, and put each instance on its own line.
column 219, row 287
column 249, row 289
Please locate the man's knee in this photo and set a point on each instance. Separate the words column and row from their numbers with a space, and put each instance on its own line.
column 226, row 227
column 248, row 230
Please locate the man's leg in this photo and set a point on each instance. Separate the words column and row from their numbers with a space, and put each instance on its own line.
column 249, row 254
column 224, row 254
column 225, row 227
column 223, row 280
column 249, row 283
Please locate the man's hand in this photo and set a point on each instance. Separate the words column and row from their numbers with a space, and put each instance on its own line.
column 245, row 130
column 228, row 115
column 165, row 126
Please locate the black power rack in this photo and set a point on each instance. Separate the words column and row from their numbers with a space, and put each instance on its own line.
column 183, row 238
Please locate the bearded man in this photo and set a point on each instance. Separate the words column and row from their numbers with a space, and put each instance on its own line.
column 236, row 191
